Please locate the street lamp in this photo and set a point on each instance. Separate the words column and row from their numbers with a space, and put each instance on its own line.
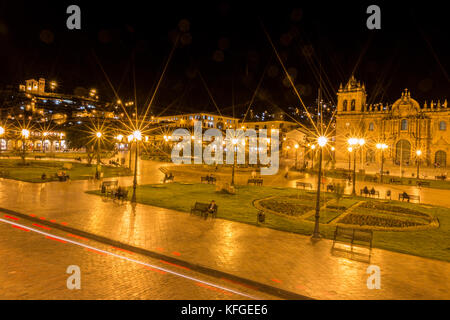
column 361, row 143
column 234, row 143
column 418, row 153
column 137, row 136
column 382, row 147
column 296, row 155
column 99, row 136
column 350, row 150
column 313, row 147
column 321, row 141
column 25, row 134
column 354, row 142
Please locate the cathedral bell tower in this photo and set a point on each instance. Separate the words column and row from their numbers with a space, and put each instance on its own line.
column 352, row 97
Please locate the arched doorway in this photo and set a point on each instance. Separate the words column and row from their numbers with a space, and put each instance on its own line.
column 403, row 152
column 440, row 159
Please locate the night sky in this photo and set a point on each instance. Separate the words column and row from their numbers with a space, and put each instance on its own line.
column 224, row 43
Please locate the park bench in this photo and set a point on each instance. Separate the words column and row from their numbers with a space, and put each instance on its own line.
column 38, row 157
column 330, row 188
column 369, row 193
column 202, row 209
column 358, row 237
column 423, row 183
column 108, row 187
column 404, row 196
column 442, row 177
column 255, row 181
column 304, row 184
column 121, row 194
column 209, row 180
column 397, row 181
column 370, row 179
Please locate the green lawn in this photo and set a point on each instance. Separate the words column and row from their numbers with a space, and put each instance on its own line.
column 33, row 170
column 434, row 243
column 343, row 174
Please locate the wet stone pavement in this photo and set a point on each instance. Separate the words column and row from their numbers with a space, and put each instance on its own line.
column 280, row 259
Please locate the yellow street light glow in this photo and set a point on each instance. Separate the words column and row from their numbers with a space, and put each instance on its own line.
column 352, row 141
column 296, row 146
column 119, row 137
column 322, row 141
column 313, row 146
column 25, row 133
column 2, row 131
column 350, row 149
column 98, row 134
column 137, row 135
column 193, row 137
column 381, row 146
column 131, row 137
column 333, row 148
column 419, row 153
column 361, row 142
column 234, row 141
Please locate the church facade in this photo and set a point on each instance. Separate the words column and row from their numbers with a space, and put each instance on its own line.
column 404, row 126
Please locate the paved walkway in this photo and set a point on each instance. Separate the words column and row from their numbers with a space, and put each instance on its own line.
column 280, row 259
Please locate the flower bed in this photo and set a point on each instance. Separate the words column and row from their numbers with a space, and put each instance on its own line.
column 370, row 220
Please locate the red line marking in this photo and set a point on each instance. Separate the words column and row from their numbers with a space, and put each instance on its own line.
column 176, row 253
column 42, row 218
column 156, row 270
column 122, row 250
column 12, row 218
column 38, row 225
column 20, row 228
column 175, row 265
column 276, row 280
column 53, row 221
column 160, row 249
column 51, row 238
column 238, row 283
column 77, row 237
column 213, row 288
column 32, row 215
column 99, row 252
column 64, row 223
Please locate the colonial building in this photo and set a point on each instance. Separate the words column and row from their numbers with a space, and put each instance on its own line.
column 404, row 126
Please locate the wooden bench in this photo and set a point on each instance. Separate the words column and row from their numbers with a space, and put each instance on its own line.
column 304, row 184
column 423, row 183
column 358, row 237
column 330, row 188
column 202, row 209
column 108, row 187
column 255, row 181
column 369, row 193
column 209, row 180
column 396, row 181
column 121, row 194
column 442, row 177
column 409, row 197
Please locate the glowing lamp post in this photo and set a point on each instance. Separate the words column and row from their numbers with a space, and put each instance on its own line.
column 2, row 132
column 418, row 154
column 313, row 147
column 296, row 155
column 322, row 142
column 234, row 143
column 353, row 142
column 381, row 147
column 99, row 136
column 137, row 137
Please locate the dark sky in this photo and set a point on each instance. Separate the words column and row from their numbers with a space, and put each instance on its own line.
column 226, row 46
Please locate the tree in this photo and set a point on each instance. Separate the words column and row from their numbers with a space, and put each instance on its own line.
column 338, row 192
